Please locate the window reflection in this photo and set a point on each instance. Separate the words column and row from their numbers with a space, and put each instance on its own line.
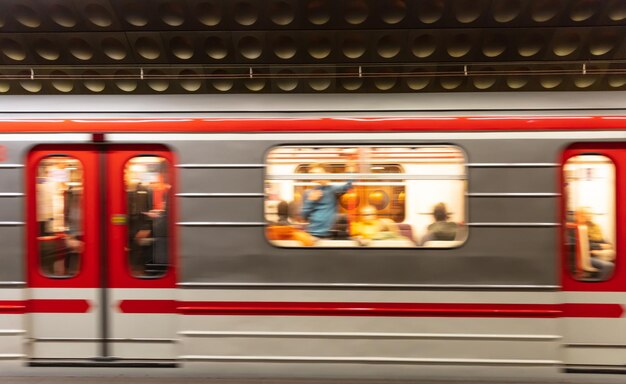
column 147, row 188
column 590, row 227
column 59, row 196
column 366, row 196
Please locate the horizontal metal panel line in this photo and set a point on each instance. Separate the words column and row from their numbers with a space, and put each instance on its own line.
column 11, row 166
column 515, row 194
column 371, row 335
column 368, row 360
column 12, row 284
column 364, row 176
column 220, row 224
column 11, row 194
column 582, row 345
column 513, row 224
column 11, row 223
column 97, row 340
column 513, row 165
column 11, row 356
column 12, row 332
column 338, row 286
column 220, row 194
column 219, row 166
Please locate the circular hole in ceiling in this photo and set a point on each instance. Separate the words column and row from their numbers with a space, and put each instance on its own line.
column 62, row 83
column 530, row 44
column 80, row 49
column 215, row 48
column 617, row 10
column 393, row 11
column 12, row 49
column 450, row 83
column 351, row 84
column 221, row 81
column 459, row 46
column 62, row 15
column 603, row 43
column 113, row 48
column 566, row 44
column 318, row 11
column 585, row 81
column 388, row 46
column 353, row 46
column 319, row 47
column 135, row 12
column 467, row 11
column 250, row 47
column 551, row 81
column 246, row 13
column 430, row 11
column 423, row 46
column 520, row 80
column 583, row 9
column 484, row 82
column 147, row 48
column 182, row 47
column 281, row 13
column 189, row 81
column 125, row 81
column 209, row 13
column 46, row 49
column 505, row 11
column 284, row 47
column 32, row 86
column 156, row 80
column 5, row 86
column 356, row 12
column 494, row 45
column 98, row 15
column 286, row 81
column 254, row 84
column 419, row 81
column 26, row 16
column 617, row 81
column 93, row 82
column 542, row 11
column 320, row 82
column 386, row 83
column 172, row 13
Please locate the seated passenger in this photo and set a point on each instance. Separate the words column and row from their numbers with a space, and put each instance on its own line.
column 368, row 226
column 283, row 230
column 601, row 255
column 441, row 229
column 320, row 204
column 390, row 231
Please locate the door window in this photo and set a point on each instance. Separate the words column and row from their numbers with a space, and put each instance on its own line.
column 147, row 190
column 59, row 196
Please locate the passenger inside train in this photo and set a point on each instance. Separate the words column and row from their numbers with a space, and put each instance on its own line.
column 365, row 196
column 147, row 192
column 590, row 228
column 59, row 196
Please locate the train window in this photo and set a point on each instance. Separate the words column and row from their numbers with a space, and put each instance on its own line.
column 366, row 196
column 147, row 189
column 59, row 211
column 590, row 216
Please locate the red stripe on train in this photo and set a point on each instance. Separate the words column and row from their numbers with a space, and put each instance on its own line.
column 323, row 309
column 44, row 306
column 307, row 124
column 372, row 309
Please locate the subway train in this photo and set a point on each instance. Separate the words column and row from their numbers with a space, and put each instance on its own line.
column 360, row 237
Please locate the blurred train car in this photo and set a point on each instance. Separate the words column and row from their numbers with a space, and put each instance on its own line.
column 470, row 243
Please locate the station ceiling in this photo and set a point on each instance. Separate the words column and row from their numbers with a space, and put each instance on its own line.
column 310, row 46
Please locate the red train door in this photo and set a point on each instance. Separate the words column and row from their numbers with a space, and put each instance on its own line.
column 593, row 265
column 101, row 254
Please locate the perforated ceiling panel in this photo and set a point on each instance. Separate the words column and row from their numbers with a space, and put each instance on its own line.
column 310, row 46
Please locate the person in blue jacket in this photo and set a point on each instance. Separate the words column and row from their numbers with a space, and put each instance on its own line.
column 320, row 204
